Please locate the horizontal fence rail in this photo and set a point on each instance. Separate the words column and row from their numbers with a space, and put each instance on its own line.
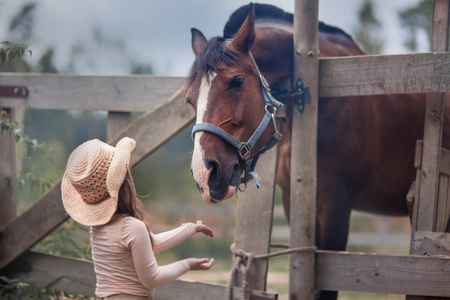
column 77, row 276
column 133, row 93
column 339, row 77
column 384, row 74
column 360, row 272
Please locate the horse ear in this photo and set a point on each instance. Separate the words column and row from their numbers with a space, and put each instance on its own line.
column 198, row 41
column 246, row 34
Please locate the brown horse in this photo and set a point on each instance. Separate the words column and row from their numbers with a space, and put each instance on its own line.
column 365, row 144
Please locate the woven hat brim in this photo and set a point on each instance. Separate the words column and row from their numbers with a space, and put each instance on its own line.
column 119, row 165
column 83, row 213
column 99, row 213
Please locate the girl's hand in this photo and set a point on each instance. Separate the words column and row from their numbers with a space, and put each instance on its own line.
column 200, row 263
column 204, row 229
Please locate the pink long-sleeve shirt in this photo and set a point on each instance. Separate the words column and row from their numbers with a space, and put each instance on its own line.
column 124, row 261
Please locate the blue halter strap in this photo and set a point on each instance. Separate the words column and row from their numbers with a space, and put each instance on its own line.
column 244, row 148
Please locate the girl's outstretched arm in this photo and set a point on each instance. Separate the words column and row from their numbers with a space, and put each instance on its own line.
column 168, row 239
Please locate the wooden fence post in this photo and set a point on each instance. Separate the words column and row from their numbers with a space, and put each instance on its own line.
column 304, row 152
column 426, row 206
column 254, row 219
column 424, row 216
column 8, row 172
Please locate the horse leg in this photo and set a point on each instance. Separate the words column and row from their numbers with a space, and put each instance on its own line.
column 334, row 228
column 333, row 216
column 332, row 234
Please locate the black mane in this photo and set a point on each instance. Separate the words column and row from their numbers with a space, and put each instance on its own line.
column 266, row 11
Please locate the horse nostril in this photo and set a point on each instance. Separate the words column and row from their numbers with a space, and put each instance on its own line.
column 211, row 164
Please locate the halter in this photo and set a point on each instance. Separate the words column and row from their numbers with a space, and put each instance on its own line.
column 244, row 148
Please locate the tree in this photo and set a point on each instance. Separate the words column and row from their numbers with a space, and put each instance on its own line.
column 21, row 27
column 414, row 20
column 369, row 31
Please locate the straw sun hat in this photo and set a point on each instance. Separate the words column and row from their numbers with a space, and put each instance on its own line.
column 94, row 174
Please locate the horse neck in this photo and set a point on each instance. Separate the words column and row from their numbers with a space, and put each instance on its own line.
column 273, row 51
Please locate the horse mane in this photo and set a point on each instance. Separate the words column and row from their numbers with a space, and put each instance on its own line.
column 270, row 12
column 214, row 56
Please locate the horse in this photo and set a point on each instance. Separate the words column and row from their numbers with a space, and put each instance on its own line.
column 365, row 145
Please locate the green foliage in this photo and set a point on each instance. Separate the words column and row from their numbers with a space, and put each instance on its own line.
column 9, row 51
column 28, row 178
column 23, row 289
column 20, row 289
column 368, row 33
column 69, row 240
column 415, row 19
column 6, row 126
column 23, row 23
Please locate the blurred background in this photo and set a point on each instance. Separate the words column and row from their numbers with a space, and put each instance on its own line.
column 112, row 37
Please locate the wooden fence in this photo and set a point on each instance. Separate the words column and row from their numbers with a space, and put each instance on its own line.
column 167, row 115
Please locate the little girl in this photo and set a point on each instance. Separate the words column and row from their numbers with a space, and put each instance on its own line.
column 98, row 191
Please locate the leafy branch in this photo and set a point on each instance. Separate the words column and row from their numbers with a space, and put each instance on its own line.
column 9, row 51
column 23, row 288
column 6, row 126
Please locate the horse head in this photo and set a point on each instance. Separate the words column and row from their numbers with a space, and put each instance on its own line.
column 225, row 90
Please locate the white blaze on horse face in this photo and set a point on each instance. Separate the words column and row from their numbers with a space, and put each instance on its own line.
column 199, row 170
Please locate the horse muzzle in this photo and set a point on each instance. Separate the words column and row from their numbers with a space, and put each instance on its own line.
column 215, row 183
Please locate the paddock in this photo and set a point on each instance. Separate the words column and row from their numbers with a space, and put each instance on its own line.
column 425, row 272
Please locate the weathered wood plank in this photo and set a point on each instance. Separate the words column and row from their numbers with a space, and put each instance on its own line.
column 117, row 121
column 443, row 203
column 441, row 238
column 108, row 93
column 304, row 152
column 254, row 219
column 78, row 276
column 360, row 272
column 31, row 226
column 431, row 246
column 63, row 274
column 444, row 165
column 428, row 190
column 387, row 274
column 150, row 131
column 384, row 74
column 8, row 172
column 434, row 117
column 187, row 290
column 426, row 202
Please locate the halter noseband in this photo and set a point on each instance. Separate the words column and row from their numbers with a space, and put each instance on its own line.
column 244, row 148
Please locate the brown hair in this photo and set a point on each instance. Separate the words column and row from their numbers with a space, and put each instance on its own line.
column 128, row 203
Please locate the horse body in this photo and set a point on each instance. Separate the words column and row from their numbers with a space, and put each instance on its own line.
column 366, row 145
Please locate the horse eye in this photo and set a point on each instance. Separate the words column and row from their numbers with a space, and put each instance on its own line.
column 189, row 101
column 236, row 82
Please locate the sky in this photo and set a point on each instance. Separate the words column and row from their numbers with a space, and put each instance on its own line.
column 112, row 34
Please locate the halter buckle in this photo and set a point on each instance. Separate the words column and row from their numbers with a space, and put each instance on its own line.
column 244, row 151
